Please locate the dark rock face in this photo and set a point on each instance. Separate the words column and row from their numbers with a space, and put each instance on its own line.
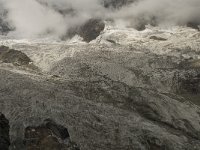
column 4, row 133
column 4, row 27
column 193, row 25
column 191, row 84
column 13, row 56
column 140, row 26
column 142, row 21
column 188, row 85
column 116, row 3
column 91, row 29
column 157, row 38
column 48, row 136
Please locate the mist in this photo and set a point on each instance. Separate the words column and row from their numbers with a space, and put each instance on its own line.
column 160, row 12
column 37, row 18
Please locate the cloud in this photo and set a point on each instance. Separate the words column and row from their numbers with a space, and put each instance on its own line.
column 32, row 19
column 36, row 18
column 161, row 12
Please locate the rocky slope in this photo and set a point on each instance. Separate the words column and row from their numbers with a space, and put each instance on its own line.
column 125, row 90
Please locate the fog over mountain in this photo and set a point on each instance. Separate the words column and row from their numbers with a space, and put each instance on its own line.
column 161, row 12
column 33, row 18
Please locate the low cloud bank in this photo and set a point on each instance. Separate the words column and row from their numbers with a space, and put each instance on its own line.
column 36, row 18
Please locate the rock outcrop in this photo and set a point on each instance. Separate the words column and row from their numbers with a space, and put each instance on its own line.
column 4, row 133
column 15, row 57
column 4, row 27
column 116, row 3
column 89, row 31
column 48, row 136
column 194, row 25
column 157, row 38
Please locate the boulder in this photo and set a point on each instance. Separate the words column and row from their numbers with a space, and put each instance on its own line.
column 157, row 38
column 48, row 136
column 116, row 3
column 89, row 31
column 15, row 57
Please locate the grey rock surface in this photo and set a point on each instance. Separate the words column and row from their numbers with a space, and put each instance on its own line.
column 135, row 93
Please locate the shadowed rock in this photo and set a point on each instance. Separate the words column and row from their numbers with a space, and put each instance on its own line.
column 91, row 29
column 141, row 23
column 193, row 25
column 158, row 38
column 4, row 27
column 4, row 133
column 88, row 31
column 116, row 3
column 190, row 84
column 15, row 57
column 48, row 136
